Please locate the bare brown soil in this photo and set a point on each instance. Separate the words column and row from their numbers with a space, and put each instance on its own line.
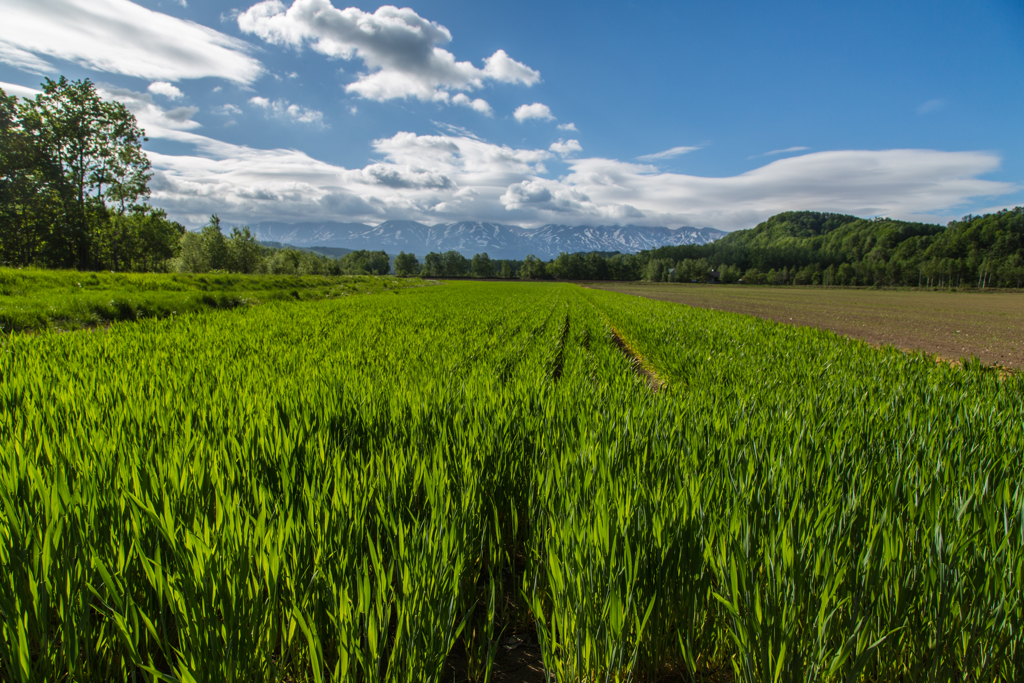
column 951, row 325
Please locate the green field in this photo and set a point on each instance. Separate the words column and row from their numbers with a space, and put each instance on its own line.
column 389, row 487
column 37, row 299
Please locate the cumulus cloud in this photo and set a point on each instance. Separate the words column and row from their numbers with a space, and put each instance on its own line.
column 568, row 126
column 479, row 105
column 565, row 147
column 119, row 36
column 533, row 111
column 166, row 89
column 283, row 109
column 668, row 153
column 399, row 48
column 432, row 178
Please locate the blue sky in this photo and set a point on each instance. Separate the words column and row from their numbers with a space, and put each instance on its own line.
column 661, row 113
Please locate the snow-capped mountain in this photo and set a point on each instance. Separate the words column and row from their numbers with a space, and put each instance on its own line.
column 470, row 237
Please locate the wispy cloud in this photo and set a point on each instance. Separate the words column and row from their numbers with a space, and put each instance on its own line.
column 668, row 153
column 26, row 61
column 456, row 131
column 930, row 106
column 119, row 36
column 152, row 117
column 774, row 152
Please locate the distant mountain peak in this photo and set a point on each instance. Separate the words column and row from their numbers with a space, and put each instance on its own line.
column 498, row 240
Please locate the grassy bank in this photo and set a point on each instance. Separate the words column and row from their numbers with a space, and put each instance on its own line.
column 33, row 299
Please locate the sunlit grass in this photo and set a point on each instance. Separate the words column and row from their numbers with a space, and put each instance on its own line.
column 359, row 489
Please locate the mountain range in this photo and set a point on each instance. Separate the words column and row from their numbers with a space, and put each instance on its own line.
column 470, row 237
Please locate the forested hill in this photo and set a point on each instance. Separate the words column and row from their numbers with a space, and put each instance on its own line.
column 805, row 247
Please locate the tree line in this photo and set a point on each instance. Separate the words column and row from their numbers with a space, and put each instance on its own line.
column 813, row 248
column 577, row 266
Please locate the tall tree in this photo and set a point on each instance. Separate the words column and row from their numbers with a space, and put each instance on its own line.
column 481, row 266
column 244, row 252
column 406, row 264
column 27, row 200
column 96, row 147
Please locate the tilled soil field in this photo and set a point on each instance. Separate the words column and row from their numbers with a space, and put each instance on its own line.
column 951, row 325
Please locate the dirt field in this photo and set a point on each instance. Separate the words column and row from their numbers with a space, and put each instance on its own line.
column 989, row 325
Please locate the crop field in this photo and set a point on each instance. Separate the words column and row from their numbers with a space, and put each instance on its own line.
column 33, row 299
column 400, row 486
column 949, row 324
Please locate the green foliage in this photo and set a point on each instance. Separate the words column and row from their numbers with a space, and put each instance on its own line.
column 209, row 250
column 365, row 263
column 245, row 255
column 88, row 170
column 532, row 268
column 406, row 264
column 481, row 266
column 448, row 264
column 356, row 490
column 818, row 248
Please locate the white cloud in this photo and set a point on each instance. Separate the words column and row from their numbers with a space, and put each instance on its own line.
column 26, row 61
column 166, row 89
column 930, row 106
column 227, row 110
column 451, row 177
column 565, row 147
column 668, row 153
column 426, row 177
column 568, row 126
column 533, row 111
column 119, row 36
column 456, row 131
column 478, row 104
column 399, row 48
column 774, row 152
column 19, row 90
column 152, row 118
column 902, row 183
column 283, row 109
